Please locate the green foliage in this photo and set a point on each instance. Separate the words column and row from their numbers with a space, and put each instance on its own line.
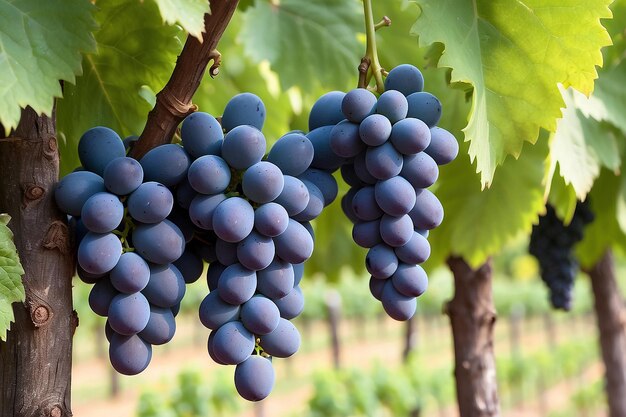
column 40, row 44
column 514, row 54
column 11, row 271
column 189, row 13
column 194, row 396
column 308, row 43
column 135, row 50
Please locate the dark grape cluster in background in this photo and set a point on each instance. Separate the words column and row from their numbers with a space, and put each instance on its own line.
column 552, row 243
column 388, row 149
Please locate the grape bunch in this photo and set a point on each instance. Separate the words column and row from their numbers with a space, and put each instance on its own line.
column 552, row 243
column 388, row 149
column 126, row 246
column 251, row 213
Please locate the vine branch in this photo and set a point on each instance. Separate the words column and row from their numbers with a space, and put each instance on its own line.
column 173, row 103
column 370, row 66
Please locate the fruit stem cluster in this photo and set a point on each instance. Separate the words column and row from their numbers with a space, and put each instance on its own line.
column 370, row 65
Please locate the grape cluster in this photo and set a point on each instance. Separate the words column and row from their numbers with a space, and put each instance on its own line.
column 388, row 149
column 126, row 247
column 251, row 213
column 552, row 243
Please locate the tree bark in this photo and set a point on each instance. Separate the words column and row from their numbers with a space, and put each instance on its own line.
column 473, row 316
column 173, row 103
column 36, row 359
column 609, row 308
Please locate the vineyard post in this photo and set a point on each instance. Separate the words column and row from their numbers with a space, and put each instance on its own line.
column 472, row 317
column 36, row 358
column 610, row 316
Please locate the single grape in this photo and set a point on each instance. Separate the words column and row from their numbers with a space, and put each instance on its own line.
column 410, row 136
column 102, row 213
column 405, row 78
column 324, row 181
column 314, row 207
column 260, row 315
column 375, row 130
column 393, row 105
column 129, row 355
column 323, row 155
column 161, row 326
column 344, row 139
column 381, row 261
column 327, row 110
column 395, row 196
column 100, row 297
column 298, row 273
column 184, row 193
column 74, row 190
column 292, row 153
column 190, row 266
column 367, row 234
column 283, row 341
column 277, row 280
column 237, row 284
column 129, row 313
column 349, row 176
column 357, row 104
column 396, row 231
column 213, row 274
column 166, row 164
column 291, row 305
column 123, row 175
column 254, row 378
column 202, row 208
column 233, row 343
column 215, row 312
column 131, row 273
column 295, row 244
column 201, row 134
column 443, row 146
column 410, row 280
column 420, row 170
column 346, row 205
column 243, row 147
column 424, row 106
column 97, row 147
column 209, row 174
column 415, row 251
column 360, row 170
column 88, row 278
column 150, row 203
column 398, row 306
column 166, row 287
column 376, row 287
column 256, row 251
column 427, row 212
column 262, row 182
column 294, row 197
column 364, row 205
column 383, row 162
column 160, row 243
column 243, row 109
column 98, row 253
column 211, row 349
column 271, row 219
column 233, row 219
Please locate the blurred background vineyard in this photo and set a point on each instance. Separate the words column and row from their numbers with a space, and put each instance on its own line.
column 548, row 363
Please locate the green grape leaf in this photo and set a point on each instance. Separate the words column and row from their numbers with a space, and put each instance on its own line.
column 40, row 43
column 609, row 98
column 136, row 54
column 306, row 42
column 188, row 13
column 478, row 224
column 562, row 197
column 514, row 54
column 11, row 271
column 604, row 232
column 581, row 145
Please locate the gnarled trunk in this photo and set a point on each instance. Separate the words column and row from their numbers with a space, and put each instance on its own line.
column 473, row 316
column 36, row 359
column 609, row 308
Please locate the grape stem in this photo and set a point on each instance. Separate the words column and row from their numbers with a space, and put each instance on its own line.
column 370, row 65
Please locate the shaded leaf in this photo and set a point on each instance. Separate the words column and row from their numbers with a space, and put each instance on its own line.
column 188, row 13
